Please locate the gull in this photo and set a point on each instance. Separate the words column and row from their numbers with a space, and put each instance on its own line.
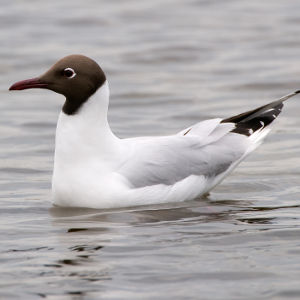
column 96, row 169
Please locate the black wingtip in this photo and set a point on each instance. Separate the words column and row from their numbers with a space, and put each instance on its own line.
column 297, row 92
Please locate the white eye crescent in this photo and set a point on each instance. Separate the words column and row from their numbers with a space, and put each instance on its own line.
column 69, row 73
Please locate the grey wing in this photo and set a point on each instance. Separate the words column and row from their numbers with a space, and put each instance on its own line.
column 170, row 159
column 207, row 149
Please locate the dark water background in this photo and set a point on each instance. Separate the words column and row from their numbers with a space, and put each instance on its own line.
column 169, row 64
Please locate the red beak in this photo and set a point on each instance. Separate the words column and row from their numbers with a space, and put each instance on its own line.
column 28, row 84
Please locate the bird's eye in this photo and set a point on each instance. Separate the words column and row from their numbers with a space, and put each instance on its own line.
column 69, row 73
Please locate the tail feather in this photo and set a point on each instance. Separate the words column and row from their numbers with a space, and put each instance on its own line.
column 256, row 120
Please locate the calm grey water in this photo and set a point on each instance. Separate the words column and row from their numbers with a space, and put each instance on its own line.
column 169, row 64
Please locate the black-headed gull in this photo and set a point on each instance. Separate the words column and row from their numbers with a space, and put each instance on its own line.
column 94, row 168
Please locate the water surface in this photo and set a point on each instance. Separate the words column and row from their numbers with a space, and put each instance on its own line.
column 169, row 64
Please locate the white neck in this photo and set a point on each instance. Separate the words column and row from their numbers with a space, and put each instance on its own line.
column 86, row 133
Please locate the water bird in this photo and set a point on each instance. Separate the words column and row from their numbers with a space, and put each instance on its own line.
column 94, row 168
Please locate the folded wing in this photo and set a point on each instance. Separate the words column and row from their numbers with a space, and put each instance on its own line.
column 209, row 148
column 170, row 159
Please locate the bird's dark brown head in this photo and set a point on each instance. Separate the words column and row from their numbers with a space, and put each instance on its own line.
column 77, row 77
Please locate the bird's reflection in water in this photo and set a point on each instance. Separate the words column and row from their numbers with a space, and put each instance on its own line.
column 203, row 209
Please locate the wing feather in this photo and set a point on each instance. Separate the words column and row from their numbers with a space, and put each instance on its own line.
column 208, row 149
